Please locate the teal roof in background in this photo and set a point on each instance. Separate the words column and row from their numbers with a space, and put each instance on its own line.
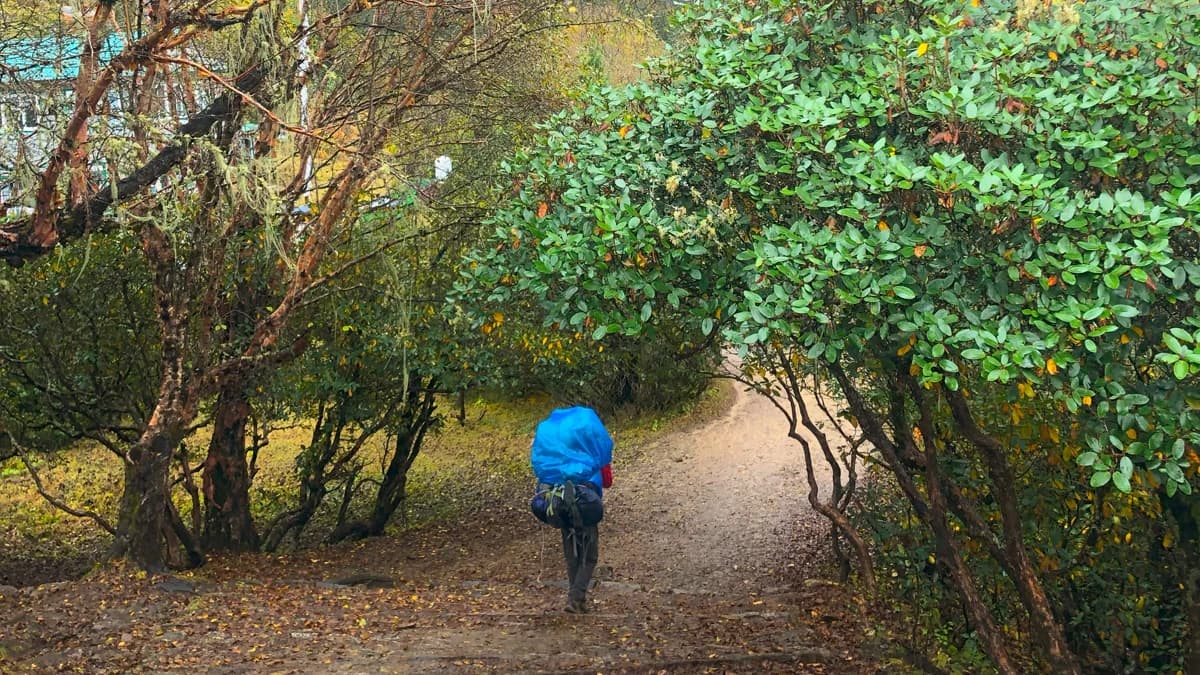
column 46, row 59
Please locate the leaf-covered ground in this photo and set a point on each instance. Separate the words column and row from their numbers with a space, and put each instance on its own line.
column 706, row 553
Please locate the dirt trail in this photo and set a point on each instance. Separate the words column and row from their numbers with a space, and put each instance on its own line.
column 708, row 509
column 696, row 545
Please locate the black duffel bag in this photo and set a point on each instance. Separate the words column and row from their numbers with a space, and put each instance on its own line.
column 568, row 504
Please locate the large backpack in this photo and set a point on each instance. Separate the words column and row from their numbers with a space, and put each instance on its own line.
column 568, row 504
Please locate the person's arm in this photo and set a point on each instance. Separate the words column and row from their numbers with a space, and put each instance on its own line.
column 606, row 475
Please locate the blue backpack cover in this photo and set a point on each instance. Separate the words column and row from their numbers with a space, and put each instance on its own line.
column 571, row 444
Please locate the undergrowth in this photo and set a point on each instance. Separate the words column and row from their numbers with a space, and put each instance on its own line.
column 479, row 463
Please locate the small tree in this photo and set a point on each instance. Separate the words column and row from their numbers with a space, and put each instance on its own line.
column 231, row 255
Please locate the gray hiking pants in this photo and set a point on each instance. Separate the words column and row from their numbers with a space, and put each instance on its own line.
column 581, row 547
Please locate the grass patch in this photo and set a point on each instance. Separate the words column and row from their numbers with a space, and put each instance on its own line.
column 478, row 464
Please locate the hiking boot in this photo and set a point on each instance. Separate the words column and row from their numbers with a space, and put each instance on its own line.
column 576, row 607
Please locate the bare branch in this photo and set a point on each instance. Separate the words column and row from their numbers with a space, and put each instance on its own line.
column 55, row 501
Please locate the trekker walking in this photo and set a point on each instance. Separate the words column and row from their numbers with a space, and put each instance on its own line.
column 572, row 459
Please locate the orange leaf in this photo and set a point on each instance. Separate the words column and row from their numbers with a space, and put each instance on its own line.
column 543, row 209
column 1052, row 280
column 1051, row 366
column 1160, row 63
column 624, row 130
column 883, row 227
column 1053, row 56
column 945, row 136
column 919, row 250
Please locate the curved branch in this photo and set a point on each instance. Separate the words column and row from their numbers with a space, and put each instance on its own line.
column 19, row 241
column 56, row 502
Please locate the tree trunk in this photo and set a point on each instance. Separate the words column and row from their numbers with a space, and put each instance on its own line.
column 388, row 502
column 142, row 520
column 313, row 488
column 417, row 418
column 1029, row 587
column 931, row 510
column 228, row 523
column 297, row 519
column 393, row 488
column 315, row 464
column 947, row 551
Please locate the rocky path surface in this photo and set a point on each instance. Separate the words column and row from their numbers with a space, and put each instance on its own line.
column 700, row 572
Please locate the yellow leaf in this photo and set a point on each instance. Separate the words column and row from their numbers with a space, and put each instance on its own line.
column 624, row 130
column 498, row 318
column 1128, row 537
column 883, row 226
column 904, row 350
column 1132, row 434
column 1087, row 400
column 1168, row 540
column 1053, row 56
column 705, row 133
column 922, row 48
column 1051, row 366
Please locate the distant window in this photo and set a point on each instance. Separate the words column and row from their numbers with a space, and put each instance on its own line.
column 26, row 109
column 19, row 112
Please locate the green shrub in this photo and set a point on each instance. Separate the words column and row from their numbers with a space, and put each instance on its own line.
column 981, row 223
